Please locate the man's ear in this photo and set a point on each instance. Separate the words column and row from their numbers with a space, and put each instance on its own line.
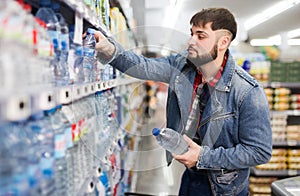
column 224, row 42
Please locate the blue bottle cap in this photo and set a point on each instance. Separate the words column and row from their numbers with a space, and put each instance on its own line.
column 45, row 3
column 156, row 131
column 55, row 6
column 90, row 31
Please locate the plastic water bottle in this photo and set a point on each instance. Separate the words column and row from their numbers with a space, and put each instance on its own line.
column 71, row 156
column 13, row 160
column 75, row 59
column 33, row 157
column 68, row 153
column 48, row 186
column 170, row 140
column 64, row 41
column 46, row 14
column 59, row 152
column 43, row 132
column 89, row 61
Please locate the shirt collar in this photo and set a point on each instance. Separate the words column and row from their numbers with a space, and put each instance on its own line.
column 214, row 80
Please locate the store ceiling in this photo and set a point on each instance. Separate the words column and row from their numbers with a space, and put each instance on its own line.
column 150, row 13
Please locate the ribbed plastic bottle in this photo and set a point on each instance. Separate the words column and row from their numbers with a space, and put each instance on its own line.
column 64, row 41
column 13, row 160
column 46, row 14
column 170, row 140
column 89, row 60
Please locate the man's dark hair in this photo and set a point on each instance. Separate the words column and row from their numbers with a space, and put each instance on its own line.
column 221, row 18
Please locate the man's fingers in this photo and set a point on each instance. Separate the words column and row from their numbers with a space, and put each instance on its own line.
column 99, row 36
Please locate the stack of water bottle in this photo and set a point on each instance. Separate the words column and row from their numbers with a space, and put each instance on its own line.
column 53, row 152
column 39, row 52
column 25, row 50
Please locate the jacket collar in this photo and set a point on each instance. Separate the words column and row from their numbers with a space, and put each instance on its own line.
column 224, row 83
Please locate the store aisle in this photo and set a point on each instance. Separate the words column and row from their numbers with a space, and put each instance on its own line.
column 153, row 175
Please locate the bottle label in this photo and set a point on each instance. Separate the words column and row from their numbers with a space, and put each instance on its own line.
column 64, row 41
column 60, row 145
column 68, row 136
column 88, row 52
column 47, row 165
column 54, row 37
column 45, row 48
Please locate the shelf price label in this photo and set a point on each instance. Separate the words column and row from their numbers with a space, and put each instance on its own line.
column 292, row 143
column 17, row 108
column 292, row 172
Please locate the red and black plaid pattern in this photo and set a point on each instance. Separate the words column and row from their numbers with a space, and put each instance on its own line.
column 201, row 95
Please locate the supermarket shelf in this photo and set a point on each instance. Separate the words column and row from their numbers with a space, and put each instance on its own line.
column 21, row 106
column 271, row 173
column 289, row 143
column 87, row 14
column 286, row 112
column 70, row 7
column 281, row 84
column 89, row 184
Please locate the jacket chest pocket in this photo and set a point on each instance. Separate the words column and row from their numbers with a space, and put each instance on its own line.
column 219, row 130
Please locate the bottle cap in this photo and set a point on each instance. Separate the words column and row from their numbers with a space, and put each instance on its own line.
column 45, row 3
column 90, row 31
column 55, row 6
column 156, row 131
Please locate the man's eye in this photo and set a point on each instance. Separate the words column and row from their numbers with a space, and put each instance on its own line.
column 200, row 37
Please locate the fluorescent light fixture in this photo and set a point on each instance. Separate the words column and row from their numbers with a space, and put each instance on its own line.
column 294, row 42
column 271, row 41
column 269, row 13
column 172, row 13
column 293, row 33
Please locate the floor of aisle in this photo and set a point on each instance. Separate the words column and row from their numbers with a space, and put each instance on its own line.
column 154, row 177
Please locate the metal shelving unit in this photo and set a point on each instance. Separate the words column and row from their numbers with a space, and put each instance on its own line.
column 274, row 173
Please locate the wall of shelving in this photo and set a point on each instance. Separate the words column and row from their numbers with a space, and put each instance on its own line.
column 75, row 138
column 282, row 87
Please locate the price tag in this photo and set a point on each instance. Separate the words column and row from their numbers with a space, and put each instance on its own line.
column 98, row 87
column 76, row 92
column 44, row 100
column 78, row 29
column 17, row 108
column 275, row 84
column 64, row 95
column 92, row 88
column 86, row 90
column 292, row 143
column 292, row 172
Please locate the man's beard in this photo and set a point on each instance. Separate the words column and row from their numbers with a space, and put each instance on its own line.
column 204, row 58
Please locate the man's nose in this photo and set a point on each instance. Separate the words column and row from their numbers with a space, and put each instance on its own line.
column 191, row 41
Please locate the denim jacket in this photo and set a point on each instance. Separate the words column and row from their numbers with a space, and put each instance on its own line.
column 235, row 124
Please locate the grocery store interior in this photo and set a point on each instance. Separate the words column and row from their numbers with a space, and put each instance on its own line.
column 70, row 125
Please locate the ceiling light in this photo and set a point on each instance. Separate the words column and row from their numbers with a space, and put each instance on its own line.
column 269, row 13
column 294, row 42
column 271, row 41
column 171, row 14
column 294, row 33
